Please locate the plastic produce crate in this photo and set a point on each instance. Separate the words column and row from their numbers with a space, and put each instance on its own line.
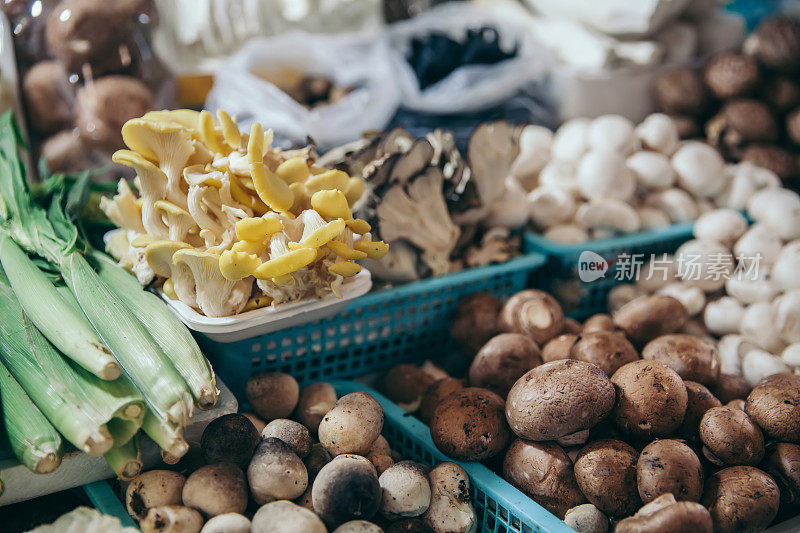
column 500, row 507
column 580, row 299
column 374, row 332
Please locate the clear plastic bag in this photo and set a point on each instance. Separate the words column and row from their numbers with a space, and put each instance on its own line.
column 472, row 87
column 358, row 62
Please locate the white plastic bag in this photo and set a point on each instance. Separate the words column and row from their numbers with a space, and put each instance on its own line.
column 470, row 87
column 360, row 61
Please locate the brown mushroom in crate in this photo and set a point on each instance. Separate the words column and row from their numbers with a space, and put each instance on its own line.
column 731, row 75
column 470, row 425
column 668, row 466
column 408, row 525
column 102, row 107
column 257, row 422
column 346, row 489
column 598, row 322
column 782, row 462
column 558, row 399
column 502, row 360
column 434, row 396
column 586, row 518
column 154, row 488
column 741, row 498
column 606, row 474
column 779, row 160
column 276, row 472
column 229, row 438
column 295, row 434
column 693, row 358
column 559, row 347
column 451, row 507
column 171, row 519
column 651, row 399
column 681, row 92
column 475, row 321
column 774, row 404
column 730, row 437
column 317, row 457
column 606, row 349
column 216, row 489
column 776, row 43
column 352, row 425
column 405, row 385
column 731, row 387
column 543, row 471
column 272, row 394
column 647, row 317
column 699, row 400
column 314, row 402
column 533, row 313
column 48, row 97
column 666, row 514
column 571, row 326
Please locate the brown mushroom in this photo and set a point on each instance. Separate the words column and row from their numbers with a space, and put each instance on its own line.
column 598, row 322
column 533, row 313
column 731, row 387
column 469, row 424
column 693, row 358
column 502, row 360
column 774, row 404
column 558, row 399
column 435, row 394
column 48, row 97
column 606, row 474
column 668, row 466
column 313, row 404
column 571, row 326
column 651, row 399
column 731, row 75
column 699, row 400
column 783, row 464
column 741, row 498
column 680, row 92
column 666, row 514
column 544, row 472
column 730, row 437
column 559, row 347
column 272, row 394
column 606, row 349
column 102, row 107
column 647, row 317
column 405, row 385
column 475, row 321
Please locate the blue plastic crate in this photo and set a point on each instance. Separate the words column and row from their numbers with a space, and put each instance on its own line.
column 560, row 273
column 374, row 332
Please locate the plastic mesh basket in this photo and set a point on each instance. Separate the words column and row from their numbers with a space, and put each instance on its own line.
column 372, row 333
column 582, row 299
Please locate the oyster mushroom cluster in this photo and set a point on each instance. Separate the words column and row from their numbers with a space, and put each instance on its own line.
column 229, row 223
column 439, row 212
column 751, row 303
column 626, row 422
column 745, row 102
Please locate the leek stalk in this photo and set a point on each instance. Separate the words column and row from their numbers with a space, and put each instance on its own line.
column 34, row 441
column 125, row 460
column 168, row 436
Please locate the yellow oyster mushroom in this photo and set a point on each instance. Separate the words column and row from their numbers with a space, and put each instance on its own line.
column 331, row 203
column 257, row 302
column 257, row 228
column 354, row 190
column 283, row 280
column 153, row 184
column 141, row 241
column 272, row 190
column 286, row 263
column 358, row 226
column 179, row 221
column 345, row 252
column 169, row 289
column 249, row 247
column 255, row 144
column 375, row 250
column 230, row 131
column 188, row 118
column 318, row 236
column 238, row 265
column 293, row 170
column 216, row 295
column 331, row 179
column 345, row 269
column 159, row 255
column 208, row 132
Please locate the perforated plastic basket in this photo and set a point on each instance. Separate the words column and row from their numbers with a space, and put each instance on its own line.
column 582, row 299
column 372, row 333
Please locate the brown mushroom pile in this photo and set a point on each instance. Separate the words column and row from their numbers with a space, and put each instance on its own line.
column 440, row 211
column 304, row 461
column 623, row 421
column 748, row 102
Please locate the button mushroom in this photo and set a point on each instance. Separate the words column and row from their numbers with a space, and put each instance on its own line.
column 352, row 425
column 782, row 462
column 648, row 317
column 699, row 401
column 294, row 434
column 658, row 132
column 534, row 313
column 216, row 489
column 154, row 488
column 693, row 358
column 774, row 404
column 272, row 394
column 451, row 509
column 346, row 489
column 665, row 514
column 405, row 490
column 606, row 349
column 434, row 396
column 502, row 360
column 358, row 526
column 276, row 472
column 606, row 474
column 700, row 169
column 227, row 523
column 171, row 519
column 314, row 402
column 559, row 347
column 231, row 438
column 741, row 498
column 475, row 320
column 668, row 466
column 586, row 518
column 722, row 316
column 652, row 170
column 286, row 517
column 603, row 174
column 405, row 384
column 730, row 437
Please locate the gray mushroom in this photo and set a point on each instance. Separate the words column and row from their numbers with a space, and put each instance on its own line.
column 346, row 489
column 286, row 517
column 405, row 490
column 216, row 489
column 276, row 472
column 352, row 425
column 295, row 434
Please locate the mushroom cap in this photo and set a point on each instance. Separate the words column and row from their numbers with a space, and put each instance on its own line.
column 651, row 399
column 598, row 322
column 353, row 424
column 227, row 523
column 607, row 349
column 158, row 255
column 451, row 501
column 469, row 424
column 700, row 169
column 229, row 438
column 346, row 489
column 606, row 474
column 782, row 462
column 668, row 515
column 103, row 107
column 286, row 517
column 534, row 313
column 272, row 394
column 731, row 436
column 667, row 466
column 216, row 489
column 48, row 96
column 475, row 320
column 170, row 518
column 699, row 400
column 154, row 488
column 543, row 471
column 741, row 498
column 502, row 360
column 276, row 472
column 405, row 385
column 316, row 459
column 693, row 358
column 559, row 347
column 774, row 404
column 358, row 526
column 647, row 317
column 731, row 387
column 405, row 490
column 586, row 517
column 557, row 399
column 295, row 434
column 435, row 394
column 314, row 403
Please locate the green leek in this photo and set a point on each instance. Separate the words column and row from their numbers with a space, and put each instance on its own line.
column 125, row 460
column 169, row 437
column 35, row 441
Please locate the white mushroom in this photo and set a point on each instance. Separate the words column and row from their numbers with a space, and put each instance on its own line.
column 749, row 290
column 451, row 509
column 566, row 234
column 612, row 132
column 740, row 187
column 652, row 217
column 722, row 316
column 550, row 206
column 758, row 325
column 700, row 168
column 603, row 174
column 777, row 208
column 731, row 350
column 559, row 174
column 227, row 523
column 658, row 132
column 760, row 243
column 758, row 364
column 571, row 140
column 785, row 272
column 586, row 518
column 704, row 264
column 511, row 209
column 405, row 490
column 786, row 309
column 534, row 153
column 724, row 226
column 677, row 203
column 791, row 354
column 692, row 297
column 652, row 169
column 609, row 214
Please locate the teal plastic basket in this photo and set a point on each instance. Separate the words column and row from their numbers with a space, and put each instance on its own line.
column 500, row 507
column 373, row 333
column 582, row 299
